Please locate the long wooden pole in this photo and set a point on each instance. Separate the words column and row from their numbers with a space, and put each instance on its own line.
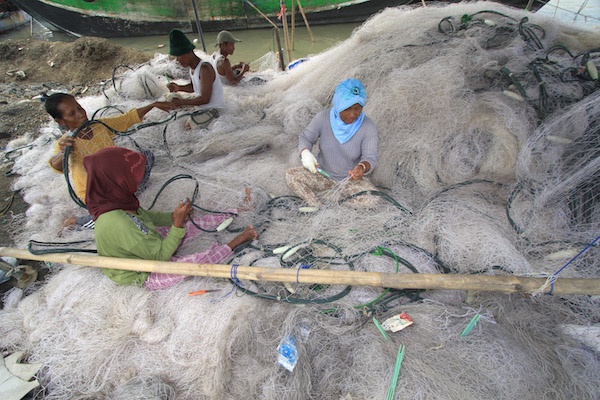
column 484, row 283
column 279, row 50
column 286, row 35
column 312, row 39
column 293, row 24
column 262, row 14
column 198, row 26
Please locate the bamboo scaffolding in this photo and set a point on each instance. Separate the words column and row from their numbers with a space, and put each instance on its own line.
column 293, row 24
column 312, row 39
column 262, row 14
column 484, row 283
column 286, row 35
column 279, row 50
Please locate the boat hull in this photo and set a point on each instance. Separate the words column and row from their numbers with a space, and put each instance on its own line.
column 153, row 21
column 13, row 19
column 87, row 24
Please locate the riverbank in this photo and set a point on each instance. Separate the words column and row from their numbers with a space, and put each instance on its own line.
column 33, row 67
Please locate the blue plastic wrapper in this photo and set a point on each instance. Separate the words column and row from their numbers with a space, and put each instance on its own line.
column 288, row 353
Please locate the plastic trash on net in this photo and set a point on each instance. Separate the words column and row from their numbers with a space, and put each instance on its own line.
column 288, row 353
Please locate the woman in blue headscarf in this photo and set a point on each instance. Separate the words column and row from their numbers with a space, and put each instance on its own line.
column 348, row 149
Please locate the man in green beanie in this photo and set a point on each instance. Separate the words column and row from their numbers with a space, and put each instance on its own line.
column 206, row 87
column 229, row 74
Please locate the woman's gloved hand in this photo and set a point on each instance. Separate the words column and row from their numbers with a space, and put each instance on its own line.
column 309, row 161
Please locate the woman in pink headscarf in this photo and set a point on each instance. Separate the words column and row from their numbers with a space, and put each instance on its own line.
column 124, row 229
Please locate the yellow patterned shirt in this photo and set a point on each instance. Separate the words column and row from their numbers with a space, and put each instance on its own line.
column 102, row 138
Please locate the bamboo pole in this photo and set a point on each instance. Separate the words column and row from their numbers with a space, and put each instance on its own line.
column 198, row 26
column 262, row 14
column 483, row 283
column 529, row 5
column 279, row 50
column 286, row 35
column 293, row 24
column 305, row 21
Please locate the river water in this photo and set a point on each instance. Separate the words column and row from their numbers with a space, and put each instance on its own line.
column 255, row 42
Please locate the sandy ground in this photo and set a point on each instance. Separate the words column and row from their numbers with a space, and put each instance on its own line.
column 33, row 67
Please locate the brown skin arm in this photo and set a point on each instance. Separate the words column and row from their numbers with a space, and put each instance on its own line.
column 358, row 171
column 207, row 77
column 224, row 67
column 162, row 105
column 56, row 160
column 173, row 87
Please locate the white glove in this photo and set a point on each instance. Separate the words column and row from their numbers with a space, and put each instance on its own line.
column 309, row 161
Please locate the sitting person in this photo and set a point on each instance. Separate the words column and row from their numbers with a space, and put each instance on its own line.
column 124, row 229
column 348, row 149
column 69, row 114
column 206, row 89
column 229, row 74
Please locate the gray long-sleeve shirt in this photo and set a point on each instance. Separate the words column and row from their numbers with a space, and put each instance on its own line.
column 336, row 158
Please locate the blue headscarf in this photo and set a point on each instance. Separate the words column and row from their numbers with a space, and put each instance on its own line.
column 348, row 93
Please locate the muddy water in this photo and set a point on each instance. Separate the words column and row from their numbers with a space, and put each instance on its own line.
column 255, row 43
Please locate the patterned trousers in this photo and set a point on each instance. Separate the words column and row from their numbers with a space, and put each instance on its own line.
column 216, row 254
column 304, row 184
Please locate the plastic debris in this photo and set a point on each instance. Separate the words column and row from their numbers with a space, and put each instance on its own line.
column 397, row 322
column 16, row 73
column 15, row 377
column 392, row 390
column 381, row 329
column 471, row 325
column 288, row 353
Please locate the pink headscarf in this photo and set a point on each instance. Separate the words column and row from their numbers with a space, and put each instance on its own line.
column 113, row 177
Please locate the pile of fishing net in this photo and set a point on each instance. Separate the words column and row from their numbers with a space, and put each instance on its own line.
column 488, row 164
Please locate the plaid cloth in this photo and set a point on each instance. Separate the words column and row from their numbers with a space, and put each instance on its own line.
column 216, row 254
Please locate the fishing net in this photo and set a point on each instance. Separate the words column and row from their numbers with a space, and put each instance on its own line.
column 488, row 164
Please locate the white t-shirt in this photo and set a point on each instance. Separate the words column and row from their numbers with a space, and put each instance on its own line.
column 214, row 59
column 217, row 98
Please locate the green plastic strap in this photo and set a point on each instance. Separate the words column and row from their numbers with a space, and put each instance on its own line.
column 378, row 325
column 392, row 390
column 471, row 325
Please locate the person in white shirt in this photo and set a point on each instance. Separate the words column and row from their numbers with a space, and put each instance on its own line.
column 206, row 88
column 229, row 74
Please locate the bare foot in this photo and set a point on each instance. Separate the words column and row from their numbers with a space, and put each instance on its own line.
column 69, row 222
column 247, row 203
column 247, row 235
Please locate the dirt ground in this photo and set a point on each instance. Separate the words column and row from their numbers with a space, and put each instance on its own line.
column 29, row 68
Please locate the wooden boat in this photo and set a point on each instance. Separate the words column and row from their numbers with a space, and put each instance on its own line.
column 118, row 18
column 11, row 17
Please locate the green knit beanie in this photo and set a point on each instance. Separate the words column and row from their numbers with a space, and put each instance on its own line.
column 179, row 44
